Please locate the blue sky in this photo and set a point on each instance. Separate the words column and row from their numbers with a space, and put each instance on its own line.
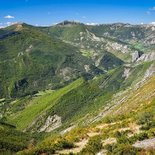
column 48, row 12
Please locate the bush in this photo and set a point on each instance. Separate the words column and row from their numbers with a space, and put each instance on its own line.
column 121, row 137
column 121, row 149
column 145, row 118
column 110, row 147
column 94, row 145
column 125, row 150
column 142, row 136
column 45, row 150
column 63, row 144
column 148, row 125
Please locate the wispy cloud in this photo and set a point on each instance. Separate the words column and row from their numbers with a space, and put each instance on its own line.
column 148, row 12
column 152, row 9
column 9, row 17
column 84, row 17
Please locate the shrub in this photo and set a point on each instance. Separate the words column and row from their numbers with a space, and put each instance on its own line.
column 125, row 150
column 145, row 118
column 148, row 125
column 142, row 136
column 63, row 144
column 110, row 147
column 94, row 145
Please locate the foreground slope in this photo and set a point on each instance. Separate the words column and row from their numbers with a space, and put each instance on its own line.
column 127, row 122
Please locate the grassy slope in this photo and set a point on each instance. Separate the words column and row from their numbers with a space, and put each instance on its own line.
column 71, row 102
column 76, row 100
column 140, row 100
column 39, row 105
column 114, row 129
column 68, row 33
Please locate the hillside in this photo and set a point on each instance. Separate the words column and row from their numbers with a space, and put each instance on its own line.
column 117, row 132
column 31, row 60
column 78, row 89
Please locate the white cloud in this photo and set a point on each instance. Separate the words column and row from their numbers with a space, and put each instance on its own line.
column 91, row 23
column 54, row 24
column 152, row 23
column 1, row 27
column 9, row 17
column 9, row 23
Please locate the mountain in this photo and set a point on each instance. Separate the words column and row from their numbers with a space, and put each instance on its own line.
column 79, row 89
column 31, row 60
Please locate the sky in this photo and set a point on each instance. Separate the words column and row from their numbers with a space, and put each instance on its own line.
column 49, row 12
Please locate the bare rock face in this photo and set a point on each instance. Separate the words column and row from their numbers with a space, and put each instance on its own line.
column 135, row 56
column 126, row 73
column 87, row 68
column 19, row 27
column 150, row 71
column 147, row 57
column 29, row 48
column 145, row 144
column 52, row 122
column 66, row 73
column 118, row 47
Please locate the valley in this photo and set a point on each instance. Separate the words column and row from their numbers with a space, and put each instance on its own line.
column 77, row 89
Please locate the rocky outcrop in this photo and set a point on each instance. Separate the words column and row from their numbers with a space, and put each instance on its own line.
column 119, row 47
column 150, row 71
column 52, row 122
column 145, row 144
column 87, row 68
column 135, row 56
column 126, row 73
column 146, row 57
column 66, row 73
